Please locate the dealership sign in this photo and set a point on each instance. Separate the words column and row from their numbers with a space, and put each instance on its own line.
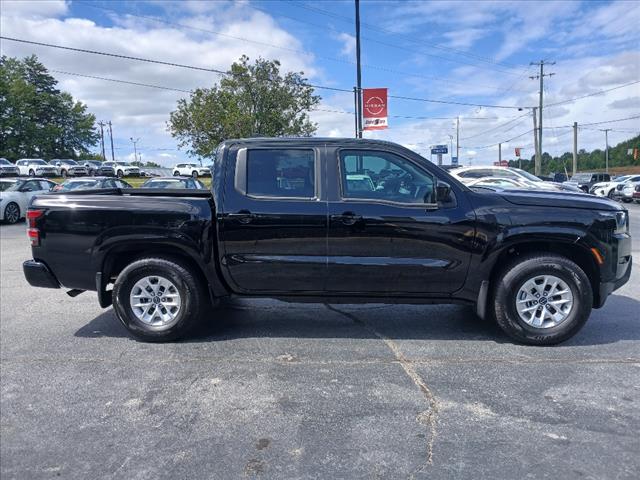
column 374, row 108
column 439, row 149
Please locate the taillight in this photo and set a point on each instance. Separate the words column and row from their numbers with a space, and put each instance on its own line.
column 32, row 232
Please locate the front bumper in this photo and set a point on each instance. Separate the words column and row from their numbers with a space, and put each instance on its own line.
column 620, row 269
column 39, row 275
column 46, row 173
column 9, row 173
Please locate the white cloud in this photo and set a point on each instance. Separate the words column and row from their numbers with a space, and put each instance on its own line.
column 348, row 45
column 33, row 9
column 134, row 110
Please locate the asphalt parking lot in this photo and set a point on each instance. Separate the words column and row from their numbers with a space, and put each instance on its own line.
column 275, row 390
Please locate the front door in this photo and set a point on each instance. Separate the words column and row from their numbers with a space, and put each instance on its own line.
column 387, row 232
column 274, row 225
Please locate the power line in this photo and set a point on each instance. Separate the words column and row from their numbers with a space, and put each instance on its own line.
column 220, row 72
column 138, row 84
column 288, row 49
column 592, row 94
column 389, row 32
column 496, row 127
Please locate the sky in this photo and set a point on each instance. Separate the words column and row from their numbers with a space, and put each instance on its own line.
column 455, row 52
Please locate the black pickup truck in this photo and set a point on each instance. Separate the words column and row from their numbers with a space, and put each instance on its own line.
column 335, row 221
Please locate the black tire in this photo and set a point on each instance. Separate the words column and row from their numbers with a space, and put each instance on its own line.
column 176, row 173
column 610, row 194
column 626, row 200
column 516, row 274
column 120, row 174
column 194, row 299
column 63, row 173
column 12, row 213
column 32, row 173
column 194, row 174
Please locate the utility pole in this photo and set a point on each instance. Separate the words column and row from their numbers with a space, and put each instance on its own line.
column 500, row 154
column 575, row 148
column 606, row 149
column 451, row 147
column 355, row 109
column 538, row 162
column 358, row 71
column 135, row 149
column 113, row 157
column 541, row 76
column 101, row 123
column 458, row 139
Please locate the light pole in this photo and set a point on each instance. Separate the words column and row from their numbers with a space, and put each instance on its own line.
column 135, row 149
column 606, row 148
column 451, row 147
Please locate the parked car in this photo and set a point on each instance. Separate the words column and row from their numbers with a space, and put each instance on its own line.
column 92, row 183
column 584, row 181
column 16, row 193
column 120, row 169
column 35, row 167
column 8, row 169
column 468, row 174
column 608, row 189
column 66, row 167
column 503, row 183
column 92, row 166
column 173, row 182
column 191, row 169
column 536, row 261
column 626, row 194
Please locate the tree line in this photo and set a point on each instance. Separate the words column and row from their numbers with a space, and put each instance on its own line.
column 594, row 160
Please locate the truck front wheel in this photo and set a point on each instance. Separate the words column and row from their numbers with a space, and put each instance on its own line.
column 542, row 299
column 158, row 299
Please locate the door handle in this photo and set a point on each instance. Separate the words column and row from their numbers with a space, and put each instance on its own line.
column 243, row 216
column 347, row 218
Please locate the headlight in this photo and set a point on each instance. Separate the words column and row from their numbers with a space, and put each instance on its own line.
column 622, row 221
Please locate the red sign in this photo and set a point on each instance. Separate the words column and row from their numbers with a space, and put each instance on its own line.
column 501, row 163
column 517, row 151
column 374, row 108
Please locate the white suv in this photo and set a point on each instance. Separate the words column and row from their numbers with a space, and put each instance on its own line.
column 123, row 169
column 191, row 169
column 66, row 167
column 35, row 167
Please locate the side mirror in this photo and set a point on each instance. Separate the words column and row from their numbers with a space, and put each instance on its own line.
column 443, row 192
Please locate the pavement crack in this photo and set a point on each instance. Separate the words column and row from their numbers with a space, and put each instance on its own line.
column 429, row 417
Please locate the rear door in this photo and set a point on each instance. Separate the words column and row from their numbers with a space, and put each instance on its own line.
column 274, row 226
column 393, row 237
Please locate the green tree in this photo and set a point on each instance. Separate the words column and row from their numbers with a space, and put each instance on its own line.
column 252, row 100
column 37, row 119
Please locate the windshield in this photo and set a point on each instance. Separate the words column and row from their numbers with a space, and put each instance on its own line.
column 4, row 161
column 527, row 175
column 170, row 183
column 623, row 178
column 7, row 186
column 581, row 177
column 123, row 164
column 11, row 186
column 37, row 162
column 69, row 162
column 79, row 185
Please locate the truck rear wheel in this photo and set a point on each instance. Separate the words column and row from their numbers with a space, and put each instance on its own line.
column 542, row 299
column 158, row 299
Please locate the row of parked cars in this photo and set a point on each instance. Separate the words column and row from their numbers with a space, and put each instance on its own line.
column 625, row 188
column 66, row 167
column 16, row 193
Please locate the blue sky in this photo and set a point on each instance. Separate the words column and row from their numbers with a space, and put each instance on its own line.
column 466, row 52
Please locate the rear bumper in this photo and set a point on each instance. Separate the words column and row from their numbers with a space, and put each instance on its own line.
column 39, row 275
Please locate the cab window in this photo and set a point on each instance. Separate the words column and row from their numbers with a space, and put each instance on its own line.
column 384, row 176
column 281, row 173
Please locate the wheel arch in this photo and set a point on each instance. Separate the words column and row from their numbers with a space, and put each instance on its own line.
column 121, row 255
column 575, row 252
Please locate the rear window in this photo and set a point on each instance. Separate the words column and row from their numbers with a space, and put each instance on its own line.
column 281, row 173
